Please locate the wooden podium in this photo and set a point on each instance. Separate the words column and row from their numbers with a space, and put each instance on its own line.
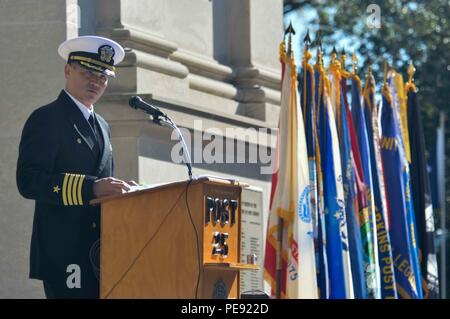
column 178, row 240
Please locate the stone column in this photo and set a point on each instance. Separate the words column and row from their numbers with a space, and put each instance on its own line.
column 32, row 74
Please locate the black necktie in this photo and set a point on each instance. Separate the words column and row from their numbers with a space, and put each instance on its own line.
column 92, row 123
column 98, row 139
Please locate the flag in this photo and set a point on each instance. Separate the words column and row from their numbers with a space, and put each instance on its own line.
column 358, row 115
column 440, row 185
column 422, row 197
column 338, row 86
column 396, row 198
column 385, row 260
column 290, row 206
column 341, row 285
column 363, row 211
column 399, row 103
column 440, row 160
column 307, row 88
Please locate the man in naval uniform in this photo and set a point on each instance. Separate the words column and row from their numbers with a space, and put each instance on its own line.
column 65, row 160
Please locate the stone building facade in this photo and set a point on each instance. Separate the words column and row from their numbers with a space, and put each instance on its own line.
column 211, row 65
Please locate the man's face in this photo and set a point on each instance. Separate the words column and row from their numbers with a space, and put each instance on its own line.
column 85, row 85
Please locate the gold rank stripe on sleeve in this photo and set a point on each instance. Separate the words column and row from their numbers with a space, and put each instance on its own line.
column 80, row 185
column 64, row 195
column 72, row 189
column 69, row 189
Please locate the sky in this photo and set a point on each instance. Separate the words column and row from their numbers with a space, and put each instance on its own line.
column 302, row 20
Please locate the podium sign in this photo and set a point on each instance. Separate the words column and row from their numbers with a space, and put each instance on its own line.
column 251, row 238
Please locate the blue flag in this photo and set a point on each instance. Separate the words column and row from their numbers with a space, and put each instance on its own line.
column 385, row 260
column 336, row 228
column 372, row 270
column 396, row 198
column 306, row 86
column 351, row 207
column 399, row 103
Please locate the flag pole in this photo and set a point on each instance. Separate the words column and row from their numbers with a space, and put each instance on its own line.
column 289, row 31
column 441, row 177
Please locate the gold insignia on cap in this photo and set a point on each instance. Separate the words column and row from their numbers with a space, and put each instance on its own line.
column 106, row 53
column 89, row 62
column 79, row 140
column 56, row 189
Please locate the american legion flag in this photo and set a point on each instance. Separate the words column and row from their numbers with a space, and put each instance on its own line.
column 290, row 256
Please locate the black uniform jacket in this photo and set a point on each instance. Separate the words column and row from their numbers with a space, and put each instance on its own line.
column 59, row 159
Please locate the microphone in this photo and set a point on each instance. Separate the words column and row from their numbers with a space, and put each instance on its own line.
column 162, row 119
column 137, row 103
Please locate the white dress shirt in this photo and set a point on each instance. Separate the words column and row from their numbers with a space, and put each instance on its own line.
column 87, row 111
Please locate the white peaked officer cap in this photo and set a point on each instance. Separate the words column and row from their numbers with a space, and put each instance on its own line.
column 93, row 52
